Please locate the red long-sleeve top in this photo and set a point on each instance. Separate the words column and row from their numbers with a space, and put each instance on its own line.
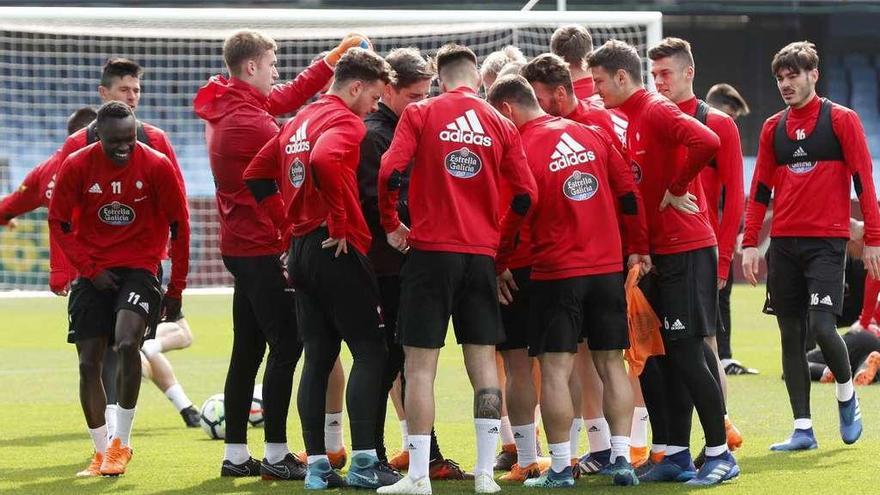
column 815, row 202
column 461, row 149
column 667, row 149
column 314, row 160
column 239, row 121
column 121, row 209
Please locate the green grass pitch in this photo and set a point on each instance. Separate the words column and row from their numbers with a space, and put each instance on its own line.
column 43, row 438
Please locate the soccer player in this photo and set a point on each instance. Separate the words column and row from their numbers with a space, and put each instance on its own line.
column 812, row 149
column 672, row 65
column 727, row 99
column 114, row 204
column 863, row 349
column 412, row 84
column 458, row 150
column 306, row 177
column 240, row 116
column 667, row 149
column 577, row 281
column 496, row 61
column 573, row 43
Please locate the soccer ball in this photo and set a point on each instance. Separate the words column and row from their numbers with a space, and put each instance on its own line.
column 213, row 417
column 255, row 417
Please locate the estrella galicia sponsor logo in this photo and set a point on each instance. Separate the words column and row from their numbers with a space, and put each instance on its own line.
column 580, row 186
column 297, row 173
column 116, row 213
column 802, row 167
column 463, row 163
column 636, row 171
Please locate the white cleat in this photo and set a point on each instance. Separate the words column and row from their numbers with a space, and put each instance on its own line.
column 483, row 483
column 421, row 486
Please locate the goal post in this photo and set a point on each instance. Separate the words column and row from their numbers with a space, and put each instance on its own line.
column 51, row 58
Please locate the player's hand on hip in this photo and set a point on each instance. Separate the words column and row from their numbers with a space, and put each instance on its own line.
column 871, row 259
column 399, row 238
column 340, row 244
column 106, row 280
column 751, row 264
column 171, row 307
column 506, row 287
column 643, row 260
column 686, row 203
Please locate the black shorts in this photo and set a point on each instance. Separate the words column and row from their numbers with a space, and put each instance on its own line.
column 92, row 313
column 805, row 273
column 515, row 317
column 335, row 297
column 436, row 285
column 684, row 293
column 565, row 311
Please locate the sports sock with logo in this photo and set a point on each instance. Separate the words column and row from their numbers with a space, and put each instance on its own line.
column 333, row 440
column 487, row 440
column 598, row 433
column 639, row 430
column 506, row 431
column 99, row 438
column 275, row 452
column 619, row 448
column 178, row 397
column 574, row 435
column 526, row 444
column 236, row 453
column 419, row 447
column 560, row 456
column 124, row 420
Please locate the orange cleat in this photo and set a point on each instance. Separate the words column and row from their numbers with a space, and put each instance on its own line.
column 827, row 376
column 520, row 474
column 400, row 461
column 337, row 459
column 638, row 455
column 868, row 373
column 734, row 437
column 447, row 469
column 94, row 468
column 657, row 457
column 116, row 458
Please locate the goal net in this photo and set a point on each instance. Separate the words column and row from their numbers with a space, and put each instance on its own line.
column 51, row 58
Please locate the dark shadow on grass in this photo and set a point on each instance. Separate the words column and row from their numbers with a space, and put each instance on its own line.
column 788, row 461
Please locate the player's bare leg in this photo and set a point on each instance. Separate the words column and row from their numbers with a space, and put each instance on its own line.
column 557, row 411
column 521, row 403
column 617, row 400
column 161, row 373
column 598, row 431
column 93, row 399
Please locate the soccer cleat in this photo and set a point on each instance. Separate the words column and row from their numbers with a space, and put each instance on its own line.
column 622, row 472
column 447, row 469
column 337, row 459
column 505, row 459
column 593, row 462
column 734, row 437
column 521, row 474
column 552, row 479
column 483, row 483
column 421, row 486
column 94, row 467
column 289, row 468
column 716, row 470
column 653, row 459
column 190, row 416
column 320, row 475
column 400, row 461
column 799, row 440
column 250, row 467
column 366, row 471
column 850, row 420
column 827, row 376
column 639, row 455
column 734, row 367
column 116, row 458
column 673, row 468
column 575, row 466
column 869, row 369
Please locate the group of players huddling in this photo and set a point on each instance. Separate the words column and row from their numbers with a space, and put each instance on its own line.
column 377, row 213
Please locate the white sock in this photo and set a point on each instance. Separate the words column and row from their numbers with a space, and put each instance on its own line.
column 598, row 433
column 151, row 347
column 639, row 427
column 656, row 448
column 803, row 424
column 419, row 455
column 674, row 449
column 177, row 396
column 236, row 453
column 315, row 458
column 110, row 417
column 275, row 452
column 333, row 441
column 487, row 440
column 845, row 391
column 124, row 420
column 403, row 434
column 716, row 451
column 619, row 448
column 560, row 456
column 574, row 435
column 371, row 452
column 506, row 431
column 526, row 444
column 99, row 438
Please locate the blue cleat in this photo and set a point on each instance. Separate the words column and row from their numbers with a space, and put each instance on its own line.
column 673, row 468
column 552, row 479
column 622, row 472
column 594, row 462
column 320, row 476
column 850, row 420
column 716, row 470
column 799, row 440
column 367, row 472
